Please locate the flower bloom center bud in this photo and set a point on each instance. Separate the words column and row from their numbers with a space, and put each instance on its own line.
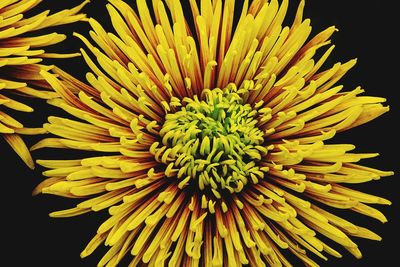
column 213, row 142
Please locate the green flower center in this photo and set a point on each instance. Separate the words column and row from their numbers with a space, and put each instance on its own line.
column 214, row 142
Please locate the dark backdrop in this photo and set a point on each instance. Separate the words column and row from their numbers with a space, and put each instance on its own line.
column 367, row 31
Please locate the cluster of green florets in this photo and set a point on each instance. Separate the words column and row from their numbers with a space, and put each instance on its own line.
column 214, row 141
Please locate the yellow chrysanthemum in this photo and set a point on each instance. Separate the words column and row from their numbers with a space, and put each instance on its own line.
column 211, row 142
column 20, row 55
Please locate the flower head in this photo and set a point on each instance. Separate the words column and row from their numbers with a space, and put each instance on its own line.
column 211, row 142
column 20, row 57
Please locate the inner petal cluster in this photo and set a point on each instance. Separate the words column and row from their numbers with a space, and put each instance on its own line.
column 213, row 142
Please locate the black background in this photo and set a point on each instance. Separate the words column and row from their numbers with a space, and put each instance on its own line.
column 368, row 31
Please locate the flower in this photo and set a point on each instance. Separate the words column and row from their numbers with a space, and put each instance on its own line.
column 20, row 55
column 213, row 144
